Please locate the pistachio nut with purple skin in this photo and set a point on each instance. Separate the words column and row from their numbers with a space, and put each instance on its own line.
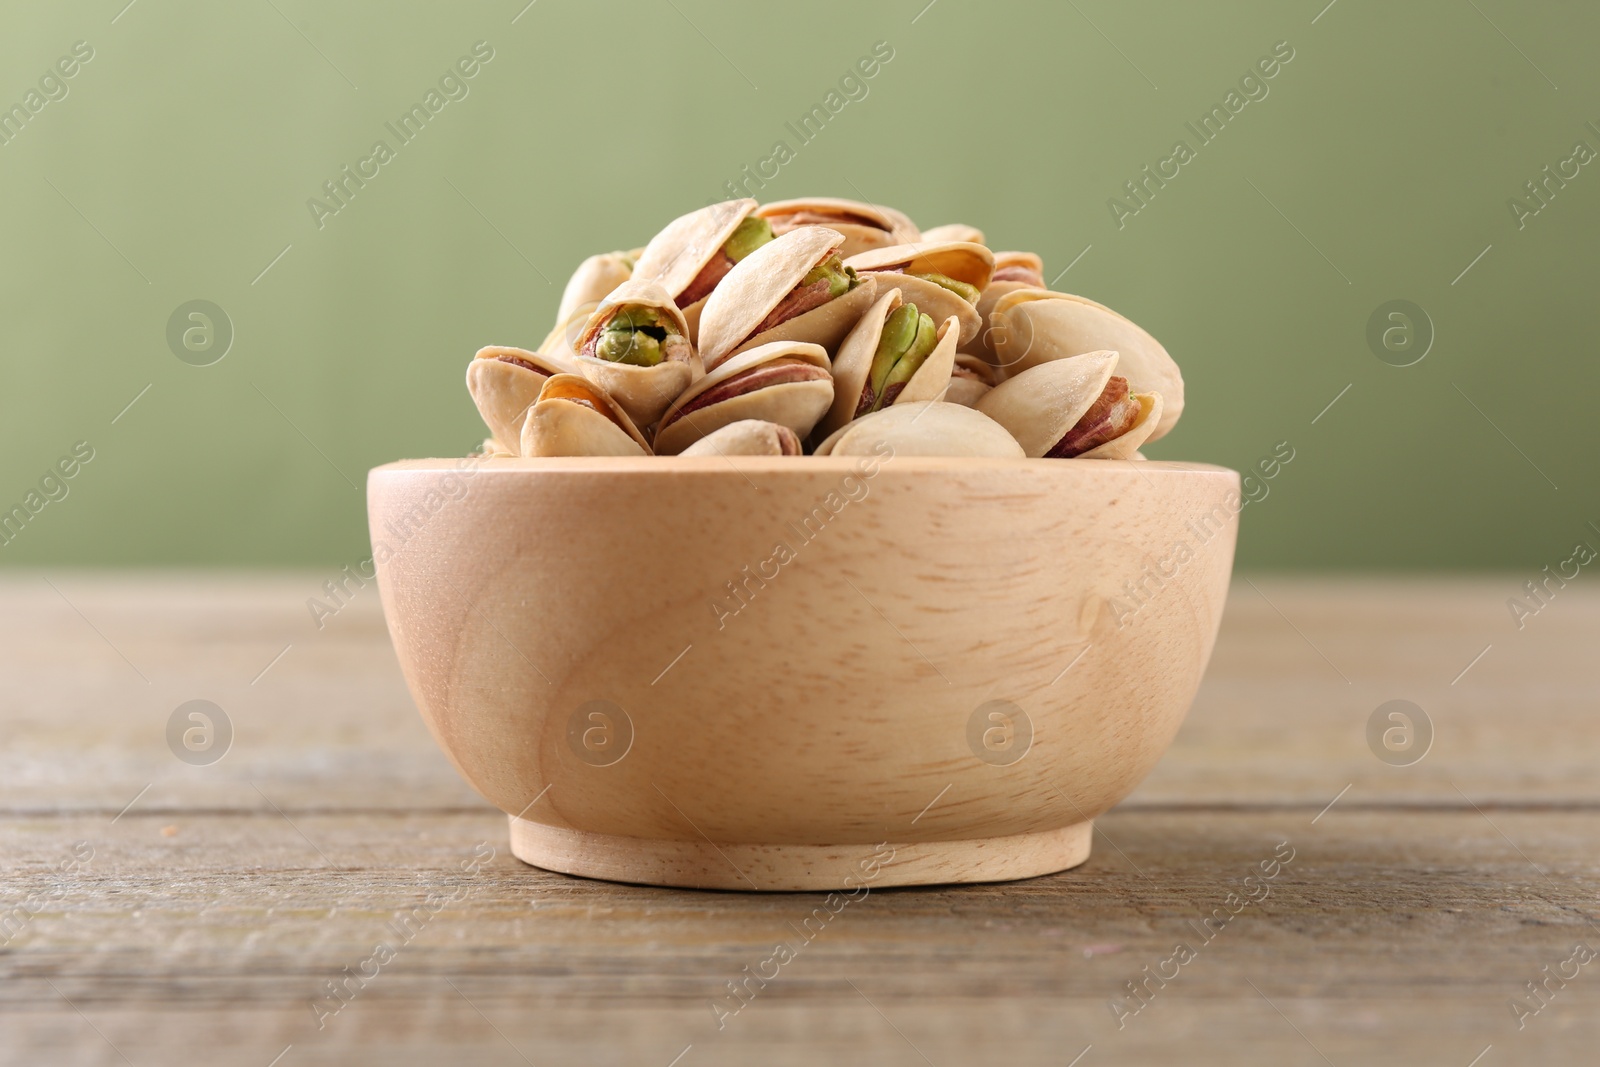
column 784, row 382
column 942, row 279
column 636, row 347
column 504, row 383
column 694, row 252
column 896, row 354
column 793, row 288
column 1074, row 408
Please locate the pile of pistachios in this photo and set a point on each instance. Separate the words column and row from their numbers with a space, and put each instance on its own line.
column 825, row 326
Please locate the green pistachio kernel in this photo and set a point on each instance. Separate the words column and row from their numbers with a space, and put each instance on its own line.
column 634, row 347
column 903, row 346
column 840, row 278
column 969, row 293
column 752, row 234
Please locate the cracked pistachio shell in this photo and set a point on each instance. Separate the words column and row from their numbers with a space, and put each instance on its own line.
column 982, row 345
column 965, row 262
column 862, row 226
column 676, row 256
column 970, row 379
column 747, row 437
column 927, row 428
column 758, row 283
column 1127, row 446
column 643, row 392
column 1042, row 403
column 853, row 364
column 574, row 417
column 594, row 278
column 504, row 390
column 954, row 231
column 797, row 405
column 1034, row 326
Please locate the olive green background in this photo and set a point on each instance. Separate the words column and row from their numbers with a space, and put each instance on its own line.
column 1378, row 167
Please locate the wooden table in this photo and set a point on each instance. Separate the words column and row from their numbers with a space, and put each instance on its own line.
column 157, row 913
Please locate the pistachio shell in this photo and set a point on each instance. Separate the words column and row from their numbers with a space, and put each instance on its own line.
column 557, row 426
column 853, row 364
column 676, row 255
column 970, row 380
column 1127, row 446
column 954, row 231
column 797, row 405
column 928, row 428
column 1042, row 403
column 1034, row 326
column 747, row 437
column 643, row 392
column 564, row 335
column 962, row 260
column 757, row 285
column 504, row 391
column 594, row 278
column 879, row 226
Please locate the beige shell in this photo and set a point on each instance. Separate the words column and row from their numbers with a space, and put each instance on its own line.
column 747, row 437
column 1042, row 403
column 756, row 285
column 827, row 325
column 965, row 262
column 854, row 363
column 970, row 379
column 927, row 428
column 562, row 338
column 982, row 344
column 888, row 226
column 556, row 426
column 954, row 231
column 797, row 405
column 1127, row 446
column 505, row 391
column 675, row 256
column 1034, row 326
column 961, row 260
column 643, row 392
column 594, row 278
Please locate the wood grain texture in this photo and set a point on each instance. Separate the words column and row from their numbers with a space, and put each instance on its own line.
column 789, row 664
column 212, row 911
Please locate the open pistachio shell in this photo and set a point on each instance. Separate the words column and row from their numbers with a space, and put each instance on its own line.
column 1042, row 403
column 1127, row 446
column 1012, row 271
column 504, row 383
column 861, row 225
column 970, row 379
column 970, row 264
column 760, row 282
column 954, row 231
column 853, row 364
column 563, row 336
column 747, row 437
column 676, row 256
column 643, row 392
column 926, row 428
column 594, row 278
column 795, row 404
column 575, row 417
column 1034, row 326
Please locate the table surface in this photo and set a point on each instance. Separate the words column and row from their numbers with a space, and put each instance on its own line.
column 153, row 912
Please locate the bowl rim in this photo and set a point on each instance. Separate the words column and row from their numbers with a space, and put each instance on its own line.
column 731, row 466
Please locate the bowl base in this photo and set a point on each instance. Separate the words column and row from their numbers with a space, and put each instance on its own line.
column 792, row 868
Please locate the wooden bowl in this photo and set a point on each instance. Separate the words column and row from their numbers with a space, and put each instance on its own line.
column 800, row 674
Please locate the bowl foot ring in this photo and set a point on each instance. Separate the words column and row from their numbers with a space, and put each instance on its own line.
column 793, row 868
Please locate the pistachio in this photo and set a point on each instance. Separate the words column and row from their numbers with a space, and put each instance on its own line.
column 575, row 417
column 747, row 437
column 840, row 278
column 637, row 336
column 924, row 428
column 636, row 347
column 969, row 293
column 752, row 233
column 907, row 339
column 785, row 382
